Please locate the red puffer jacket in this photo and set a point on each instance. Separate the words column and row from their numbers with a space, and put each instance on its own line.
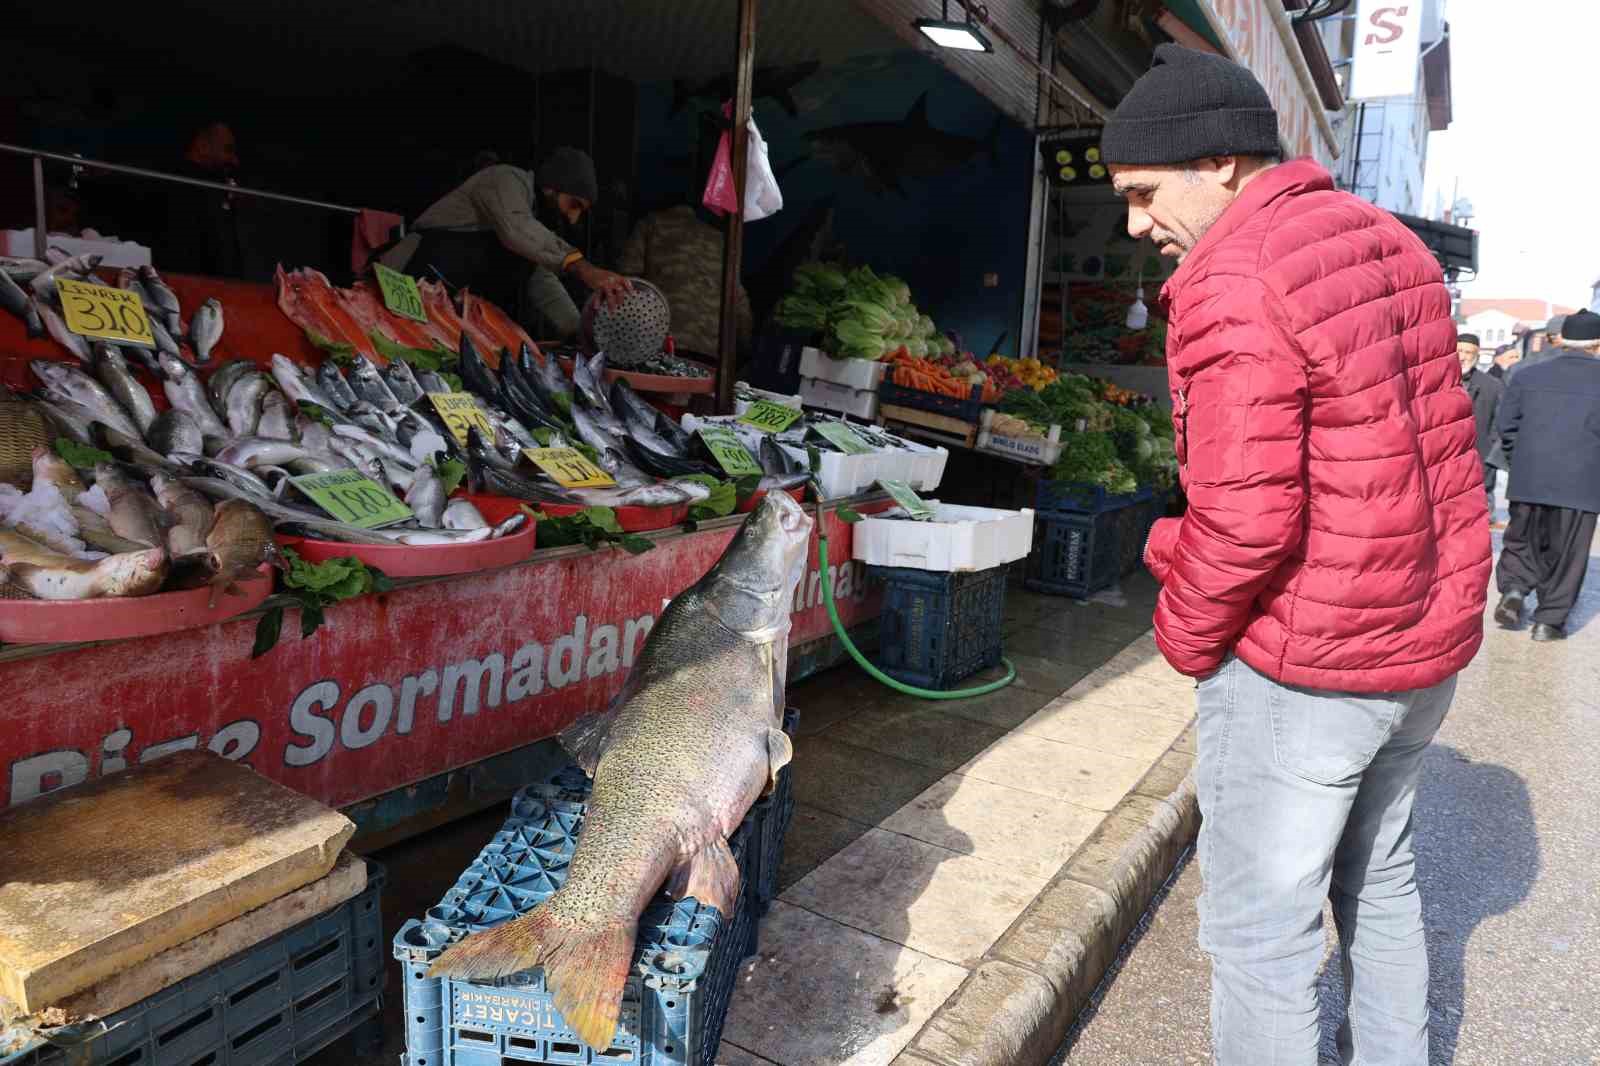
column 1337, row 535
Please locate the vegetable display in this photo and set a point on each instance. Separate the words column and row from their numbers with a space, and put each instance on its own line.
column 1114, row 437
column 859, row 314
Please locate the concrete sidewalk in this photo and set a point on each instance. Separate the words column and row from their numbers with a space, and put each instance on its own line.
column 959, row 875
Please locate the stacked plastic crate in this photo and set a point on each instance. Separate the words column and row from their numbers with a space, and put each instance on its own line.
column 1086, row 539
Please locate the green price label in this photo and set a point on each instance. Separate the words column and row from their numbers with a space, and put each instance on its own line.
column 353, row 497
column 905, row 497
column 400, row 293
column 842, row 437
column 770, row 417
column 729, row 451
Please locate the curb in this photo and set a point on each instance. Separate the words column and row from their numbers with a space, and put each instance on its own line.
column 1018, row 1003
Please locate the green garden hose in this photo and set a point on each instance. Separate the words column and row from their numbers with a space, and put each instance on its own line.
column 879, row 675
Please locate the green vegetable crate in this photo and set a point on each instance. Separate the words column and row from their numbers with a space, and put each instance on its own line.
column 1085, row 539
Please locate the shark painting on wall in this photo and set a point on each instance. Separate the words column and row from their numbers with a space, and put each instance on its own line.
column 886, row 154
column 770, row 83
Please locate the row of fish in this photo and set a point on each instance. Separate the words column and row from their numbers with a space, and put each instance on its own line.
column 28, row 290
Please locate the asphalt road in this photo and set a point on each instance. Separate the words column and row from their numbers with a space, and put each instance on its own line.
column 1508, row 838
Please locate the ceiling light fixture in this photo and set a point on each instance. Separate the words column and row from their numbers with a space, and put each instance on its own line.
column 962, row 36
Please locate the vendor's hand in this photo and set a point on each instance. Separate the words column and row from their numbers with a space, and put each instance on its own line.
column 613, row 288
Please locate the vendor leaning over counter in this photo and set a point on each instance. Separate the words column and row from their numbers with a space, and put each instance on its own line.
column 495, row 233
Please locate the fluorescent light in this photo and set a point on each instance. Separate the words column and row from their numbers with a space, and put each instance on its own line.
column 961, row 36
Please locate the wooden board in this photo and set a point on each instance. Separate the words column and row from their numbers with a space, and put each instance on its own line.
column 929, row 425
column 99, row 877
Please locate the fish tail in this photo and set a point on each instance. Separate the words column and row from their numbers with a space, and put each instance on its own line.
column 586, row 965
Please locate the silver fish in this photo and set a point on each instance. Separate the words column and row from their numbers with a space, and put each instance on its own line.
column 175, row 432
column 205, row 329
column 13, row 299
column 135, row 514
column 69, row 419
column 222, row 379
column 314, row 436
column 78, row 266
column 589, row 431
column 644, row 431
column 426, row 497
column 383, row 447
column 461, row 514
column 315, row 464
column 295, row 384
column 257, row 451
column 57, row 326
column 443, row 536
column 276, row 422
column 432, row 382
column 164, row 298
column 68, row 383
column 589, row 380
column 369, row 385
column 185, row 392
column 197, row 465
column 333, row 382
column 22, row 269
column 662, row 494
column 244, row 403
column 112, row 370
column 403, row 383
column 188, row 515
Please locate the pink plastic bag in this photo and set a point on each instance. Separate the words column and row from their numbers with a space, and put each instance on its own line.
column 721, row 198
column 762, row 197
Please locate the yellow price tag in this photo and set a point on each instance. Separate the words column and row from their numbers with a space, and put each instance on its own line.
column 570, row 468
column 104, row 312
column 400, row 293
column 461, row 412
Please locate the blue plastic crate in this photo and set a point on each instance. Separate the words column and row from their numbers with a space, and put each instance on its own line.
column 1082, row 497
column 277, row 1003
column 937, row 628
column 770, row 818
column 673, row 1005
column 968, row 408
column 1080, row 554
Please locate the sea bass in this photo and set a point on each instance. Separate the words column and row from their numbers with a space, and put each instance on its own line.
column 205, row 329
column 700, row 711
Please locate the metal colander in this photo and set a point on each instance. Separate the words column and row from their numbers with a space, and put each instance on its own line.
column 633, row 332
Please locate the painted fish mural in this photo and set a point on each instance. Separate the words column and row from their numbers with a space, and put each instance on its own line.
column 885, row 154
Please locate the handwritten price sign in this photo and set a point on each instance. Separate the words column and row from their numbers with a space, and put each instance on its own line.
column 103, row 312
column 842, row 437
column 729, row 451
column 570, row 468
column 770, row 417
column 903, row 494
column 460, row 412
column 400, row 293
column 353, row 498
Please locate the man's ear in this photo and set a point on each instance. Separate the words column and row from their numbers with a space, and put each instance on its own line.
column 1227, row 167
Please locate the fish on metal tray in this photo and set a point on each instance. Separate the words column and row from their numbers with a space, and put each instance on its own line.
column 48, row 575
column 239, row 541
column 701, row 709
column 68, row 383
column 205, row 329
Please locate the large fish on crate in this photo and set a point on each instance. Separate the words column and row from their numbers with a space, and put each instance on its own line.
column 689, row 744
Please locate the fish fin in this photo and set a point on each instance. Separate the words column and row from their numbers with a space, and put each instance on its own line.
column 585, row 740
column 585, row 965
column 710, row 875
column 780, row 753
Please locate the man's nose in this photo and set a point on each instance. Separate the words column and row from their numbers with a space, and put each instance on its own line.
column 1139, row 223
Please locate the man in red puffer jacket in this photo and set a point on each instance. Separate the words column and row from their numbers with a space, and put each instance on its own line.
column 1329, row 578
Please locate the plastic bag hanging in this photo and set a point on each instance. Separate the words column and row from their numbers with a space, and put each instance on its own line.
column 762, row 197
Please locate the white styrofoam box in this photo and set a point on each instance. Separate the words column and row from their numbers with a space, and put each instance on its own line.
column 927, row 462
column 1037, row 451
column 856, row 373
column 840, row 399
column 954, row 539
column 740, row 406
column 845, row 475
column 19, row 242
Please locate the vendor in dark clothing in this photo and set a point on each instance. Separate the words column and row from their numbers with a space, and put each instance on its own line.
column 1485, row 391
column 497, row 234
column 199, row 231
column 1547, row 426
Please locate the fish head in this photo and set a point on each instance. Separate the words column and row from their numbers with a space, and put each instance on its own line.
column 751, row 588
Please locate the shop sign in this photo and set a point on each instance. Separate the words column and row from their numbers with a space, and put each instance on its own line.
column 1387, row 50
column 460, row 412
column 400, row 293
column 104, row 313
column 1257, row 43
column 350, row 496
column 393, row 689
column 570, row 468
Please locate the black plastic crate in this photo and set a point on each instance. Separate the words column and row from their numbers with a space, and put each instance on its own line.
column 1080, row 554
column 1082, row 497
column 937, row 628
column 968, row 408
column 675, row 1001
column 274, row 1004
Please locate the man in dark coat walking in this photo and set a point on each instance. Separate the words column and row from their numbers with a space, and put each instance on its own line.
column 1485, row 391
column 1550, row 432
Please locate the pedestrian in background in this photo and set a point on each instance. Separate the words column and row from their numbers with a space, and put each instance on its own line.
column 1328, row 580
column 1550, row 435
column 1484, row 391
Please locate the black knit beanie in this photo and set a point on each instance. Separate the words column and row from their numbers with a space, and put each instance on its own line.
column 570, row 171
column 1190, row 105
column 1581, row 326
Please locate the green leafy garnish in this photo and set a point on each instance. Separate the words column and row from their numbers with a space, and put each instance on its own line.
column 724, row 497
column 453, row 380
column 563, row 404
column 341, row 352
column 80, row 455
column 421, row 358
column 542, row 435
column 451, row 472
column 313, row 587
column 590, row 527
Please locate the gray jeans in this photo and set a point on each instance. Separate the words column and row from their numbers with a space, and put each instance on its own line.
column 1306, row 796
